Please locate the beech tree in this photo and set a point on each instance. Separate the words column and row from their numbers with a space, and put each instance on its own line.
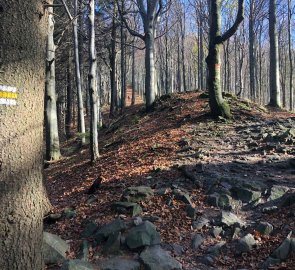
column 22, row 66
column 218, row 106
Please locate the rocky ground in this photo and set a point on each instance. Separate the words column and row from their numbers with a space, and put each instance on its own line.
column 175, row 189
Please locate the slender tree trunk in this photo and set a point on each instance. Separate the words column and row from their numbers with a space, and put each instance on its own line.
column 92, row 80
column 150, row 83
column 113, row 66
column 291, row 97
column 252, row 60
column 133, row 77
column 81, row 120
column 123, row 60
column 52, row 138
column 22, row 49
column 183, row 21
column 69, row 111
column 274, row 75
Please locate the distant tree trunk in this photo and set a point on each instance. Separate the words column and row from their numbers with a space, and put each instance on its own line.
column 290, row 56
column 92, row 77
column 133, row 76
column 70, row 96
column 274, row 75
column 52, row 138
column 113, row 65
column 23, row 32
column 182, row 26
column 123, row 71
column 218, row 105
column 81, row 120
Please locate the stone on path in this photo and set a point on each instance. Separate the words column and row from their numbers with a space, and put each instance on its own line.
column 245, row 244
column 229, row 219
column 137, row 194
column 200, row 223
column 54, row 249
column 143, row 235
column 104, row 232
column 264, row 228
column 197, row 241
column 155, row 258
column 277, row 192
column 127, row 208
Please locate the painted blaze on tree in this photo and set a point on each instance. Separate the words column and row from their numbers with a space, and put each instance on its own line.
column 218, row 106
column 23, row 29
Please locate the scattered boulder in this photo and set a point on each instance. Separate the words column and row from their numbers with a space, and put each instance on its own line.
column 270, row 209
column 197, row 241
column 216, row 249
column 288, row 199
column 190, row 211
column 127, row 208
column 118, row 263
column 229, row 219
column 52, row 218
column 143, row 235
column 90, row 228
column 104, row 232
column 84, row 251
column 69, row 212
column 283, row 250
column 155, row 258
column 177, row 249
column 77, row 265
column 245, row 244
column 222, row 201
column 112, row 246
column 244, row 194
column 277, row 192
column 216, row 231
column 54, row 249
column 182, row 196
column 200, row 223
column 264, row 228
column 137, row 194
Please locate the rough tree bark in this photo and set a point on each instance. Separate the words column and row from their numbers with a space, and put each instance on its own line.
column 52, row 138
column 218, row 106
column 22, row 59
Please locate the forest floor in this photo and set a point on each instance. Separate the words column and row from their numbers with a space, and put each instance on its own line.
column 178, row 146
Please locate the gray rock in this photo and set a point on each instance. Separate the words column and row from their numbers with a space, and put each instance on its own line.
column 177, row 249
column 77, row 265
column 265, row 228
column 90, row 228
column 142, row 235
column 270, row 209
column 54, row 249
column 118, row 263
column 229, row 219
column 84, row 251
column 163, row 191
column 292, row 246
column 104, row 232
column 216, row 249
column 137, row 194
column 288, row 199
column 112, row 246
column 190, row 211
column 69, row 212
column 244, row 194
column 270, row 262
column 182, row 196
column 245, row 244
column 216, row 231
column 277, row 192
column 200, row 223
column 284, row 249
column 208, row 260
column 127, row 208
column 197, row 241
column 222, row 201
column 155, row 258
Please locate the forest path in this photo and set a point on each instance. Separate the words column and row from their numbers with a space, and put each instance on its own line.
column 174, row 150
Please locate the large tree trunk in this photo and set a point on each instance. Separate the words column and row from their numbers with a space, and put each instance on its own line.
column 291, row 97
column 274, row 75
column 52, row 138
column 150, row 83
column 92, row 77
column 22, row 50
column 252, row 60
